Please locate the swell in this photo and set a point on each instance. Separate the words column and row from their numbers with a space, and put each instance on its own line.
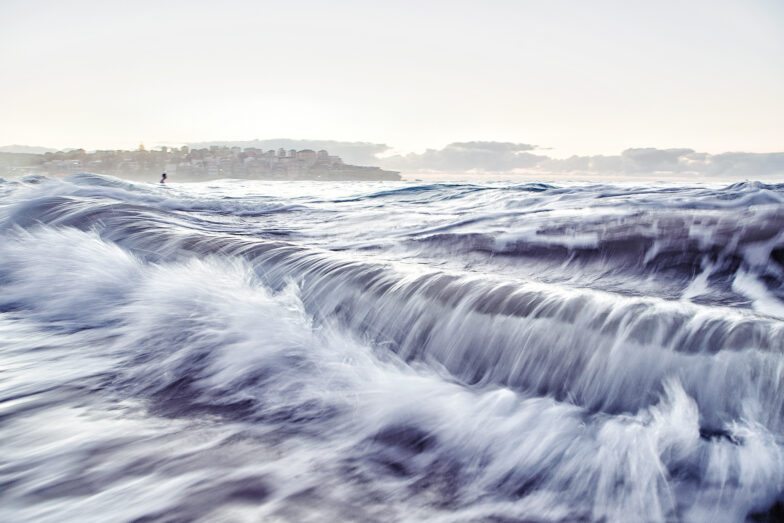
column 599, row 351
column 201, row 341
column 158, row 304
column 443, row 191
column 674, row 245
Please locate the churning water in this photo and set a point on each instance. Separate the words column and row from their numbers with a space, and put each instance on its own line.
column 390, row 351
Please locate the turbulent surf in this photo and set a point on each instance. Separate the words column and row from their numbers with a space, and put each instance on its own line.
column 384, row 351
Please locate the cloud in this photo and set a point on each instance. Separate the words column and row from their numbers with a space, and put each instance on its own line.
column 670, row 162
column 654, row 160
column 25, row 149
column 467, row 156
column 631, row 161
column 748, row 165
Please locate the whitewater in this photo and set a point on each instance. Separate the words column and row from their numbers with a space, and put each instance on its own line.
column 390, row 351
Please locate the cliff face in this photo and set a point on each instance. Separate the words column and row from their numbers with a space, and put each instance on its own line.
column 194, row 165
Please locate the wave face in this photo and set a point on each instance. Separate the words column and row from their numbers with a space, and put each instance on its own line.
column 390, row 352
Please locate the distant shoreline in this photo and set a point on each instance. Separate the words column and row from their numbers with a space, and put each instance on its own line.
column 195, row 165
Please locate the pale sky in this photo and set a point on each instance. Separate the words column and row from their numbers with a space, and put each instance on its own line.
column 577, row 77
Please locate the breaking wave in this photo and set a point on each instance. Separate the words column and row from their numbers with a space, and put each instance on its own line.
column 378, row 351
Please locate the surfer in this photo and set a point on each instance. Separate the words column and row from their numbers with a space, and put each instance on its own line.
column 163, row 178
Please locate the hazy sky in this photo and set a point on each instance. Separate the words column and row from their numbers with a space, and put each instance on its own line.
column 580, row 77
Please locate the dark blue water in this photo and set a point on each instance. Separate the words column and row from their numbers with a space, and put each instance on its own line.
column 390, row 351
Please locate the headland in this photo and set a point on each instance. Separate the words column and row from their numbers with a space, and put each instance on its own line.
column 183, row 164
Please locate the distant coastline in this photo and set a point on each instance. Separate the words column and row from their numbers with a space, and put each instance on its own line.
column 184, row 164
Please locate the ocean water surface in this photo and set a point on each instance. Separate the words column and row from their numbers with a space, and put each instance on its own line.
column 390, row 351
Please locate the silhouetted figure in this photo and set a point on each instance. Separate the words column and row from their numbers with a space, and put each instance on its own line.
column 163, row 178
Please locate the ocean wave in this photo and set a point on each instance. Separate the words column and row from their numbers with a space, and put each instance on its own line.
column 159, row 348
column 202, row 339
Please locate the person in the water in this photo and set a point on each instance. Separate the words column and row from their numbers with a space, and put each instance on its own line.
column 163, row 178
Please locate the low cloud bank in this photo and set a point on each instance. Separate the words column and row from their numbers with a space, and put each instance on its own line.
column 506, row 157
column 467, row 156
column 25, row 149
column 671, row 162
column 493, row 157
